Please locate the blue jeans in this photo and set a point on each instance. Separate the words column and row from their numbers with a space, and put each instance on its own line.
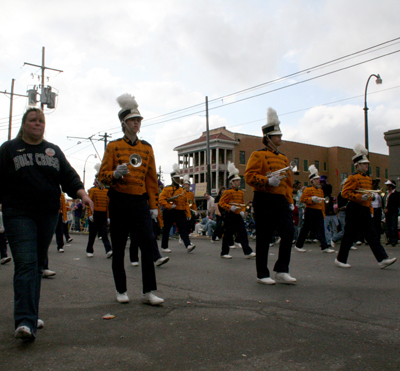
column 29, row 234
column 342, row 220
column 330, row 223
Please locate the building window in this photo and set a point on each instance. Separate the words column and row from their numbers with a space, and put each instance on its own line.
column 378, row 172
column 242, row 183
column 386, row 174
column 353, row 169
column 242, row 157
column 305, row 165
column 306, row 184
column 325, row 167
column 317, row 164
column 297, row 162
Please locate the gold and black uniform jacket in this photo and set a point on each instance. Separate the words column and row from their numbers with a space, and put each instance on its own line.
column 354, row 182
column 306, row 198
column 141, row 179
column 191, row 200
column 232, row 197
column 181, row 202
column 99, row 198
column 260, row 163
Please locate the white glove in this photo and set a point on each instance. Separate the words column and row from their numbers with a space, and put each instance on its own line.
column 274, row 181
column 364, row 197
column 91, row 218
column 234, row 208
column 121, row 171
column 108, row 221
column 173, row 206
column 291, row 207
column 1, row 230
column 315, row 199
column 154, row 213
column 242, row 214
column 196, row 213
column 65, row 221
column 188, row 218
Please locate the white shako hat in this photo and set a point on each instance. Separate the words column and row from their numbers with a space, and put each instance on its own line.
column 233, row 172
column 360, row 154
column 272, row 125
column 391, row 182
column 175, row 171
column 313, row 172
column 129, row 107
column 186, row 179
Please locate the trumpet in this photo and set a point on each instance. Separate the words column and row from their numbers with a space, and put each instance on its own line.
column 235, row 204
column 370, row 192
column 135, row 160
column 282, row 173
column 172, row 198
column 324, row 199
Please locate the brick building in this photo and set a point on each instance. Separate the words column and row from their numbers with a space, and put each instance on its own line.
column 334, row 162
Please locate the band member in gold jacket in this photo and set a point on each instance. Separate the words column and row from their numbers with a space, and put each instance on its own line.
column 129, row 169
column 176, row 210
column 314, row 215
column 359, row 212
column 273, row 202
column 233, row 202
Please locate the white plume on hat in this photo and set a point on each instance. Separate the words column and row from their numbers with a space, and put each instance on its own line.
column 233, row 172
column 272, row 125
column 186, row 179
column 175, row 171
column 360, row 154
column 313, row 172
column 272, row 117
column 97, row 167
column 129, row 107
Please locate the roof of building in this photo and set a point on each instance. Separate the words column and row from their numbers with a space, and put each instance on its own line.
column 203, row 138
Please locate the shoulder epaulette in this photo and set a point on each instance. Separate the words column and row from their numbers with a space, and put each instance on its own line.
column 115, row 140
column 145, row 143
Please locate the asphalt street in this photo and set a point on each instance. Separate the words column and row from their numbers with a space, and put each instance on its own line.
column 215, row 316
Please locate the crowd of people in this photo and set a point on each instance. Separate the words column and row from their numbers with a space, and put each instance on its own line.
column 129, row 202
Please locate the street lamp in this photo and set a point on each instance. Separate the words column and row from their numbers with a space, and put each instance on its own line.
column 84, row 169
column 378, row 81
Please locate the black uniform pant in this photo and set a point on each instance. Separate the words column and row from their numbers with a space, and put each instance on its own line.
column 234, row 224
column 272, row 214
column 134, row 246
column 218, row 228
column 313, row 222
column 358, row 219
column 174, row 216
column 131, row 217
column 99, row 225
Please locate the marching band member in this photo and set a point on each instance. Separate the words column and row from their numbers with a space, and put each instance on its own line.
column 359, row 212
column 129, row 169
column 99, row 219
column 273, row 202
column 232, row 201
column 176, row 210
column 314, row 215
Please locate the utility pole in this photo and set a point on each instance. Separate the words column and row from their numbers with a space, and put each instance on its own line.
column 208, row 153
column 44, row 92
column 105, row 136
column 11, row 105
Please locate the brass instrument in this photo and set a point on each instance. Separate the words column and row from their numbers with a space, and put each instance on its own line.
column 235, row 204
column 324, row 199
column 172, row 198
column 190, row 202
column 282, row 173
column 370, row 192
column 135, row 160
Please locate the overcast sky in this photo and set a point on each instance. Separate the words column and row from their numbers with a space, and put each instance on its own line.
column 170, row 54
